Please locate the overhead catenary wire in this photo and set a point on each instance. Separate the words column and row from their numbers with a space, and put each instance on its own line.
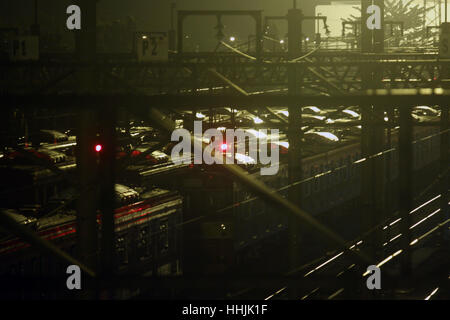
column 254, row 58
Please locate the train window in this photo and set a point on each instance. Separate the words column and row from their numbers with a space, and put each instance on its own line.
column 353, row 165
column 121, row 251
column 347, row 168
column 416, row 154
column 163, row 237
column 143, row 244
column 332, row 173
column 44, row 264
column 310, row 183
column 255, row 208
column 341, row 172
column 284, row 176
column 322, row 181
column 423, row 153
column 36, row 266
column 311, row 171
column 337, row 173
column 246, row 208
column 306, row 184
column 330, row 170
column 316, row 180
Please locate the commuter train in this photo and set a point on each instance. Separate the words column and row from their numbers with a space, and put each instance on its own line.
column 147, row 239
column 331, row 179
column 147, row 236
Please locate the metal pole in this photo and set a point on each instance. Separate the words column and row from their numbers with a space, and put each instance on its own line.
column 424, row 20
column 372, row 138
column 180, row 19
column 107, row 192
column 35, row 27
column 87, row 233
column 294, row 136
column 259, row 35
column 405, row 177
column 366, row 34
column 35, row 12
column 172, row 33
column 388, row 190
column 446, row 11
column 445, row 126
column 378, row 34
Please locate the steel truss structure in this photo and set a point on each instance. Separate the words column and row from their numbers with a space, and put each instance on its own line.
column 320, row 72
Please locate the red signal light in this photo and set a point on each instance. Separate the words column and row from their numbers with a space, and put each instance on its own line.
column 224, row 147
column 98, row 147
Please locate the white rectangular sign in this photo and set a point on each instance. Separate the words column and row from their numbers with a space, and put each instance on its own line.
column 152, row 46
column 24, row 48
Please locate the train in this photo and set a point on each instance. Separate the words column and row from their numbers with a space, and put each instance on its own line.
column 195, row 219
column 147, row 239
column 330, row 190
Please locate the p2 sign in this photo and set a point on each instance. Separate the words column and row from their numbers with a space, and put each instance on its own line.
column 444, row 43
column 24, row 48
column 152, row 46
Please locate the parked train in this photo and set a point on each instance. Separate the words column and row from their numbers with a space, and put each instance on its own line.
column 147, row 239
column 218, row 240
column 331, row 179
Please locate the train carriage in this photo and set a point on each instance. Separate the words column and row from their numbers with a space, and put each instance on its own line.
column 147, row 239
column 331, row 180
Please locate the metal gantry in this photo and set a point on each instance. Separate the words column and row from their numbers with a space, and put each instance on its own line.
column 322, row 72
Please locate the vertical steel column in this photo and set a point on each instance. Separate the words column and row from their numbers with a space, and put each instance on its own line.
column 445, row 160
column 35, row 29
column 372, row 136
column 172, row 33
column 87, row 238
column 378, row 34
column 424, row 22
column 294, row 136
column 367, row 211
column 444, row 150
column 378, row 137
column 388, row 189
column 366, row 34
column 107, row 186
column 180, row 19
column 446, row 10
column 405, row 184
column 259, row 36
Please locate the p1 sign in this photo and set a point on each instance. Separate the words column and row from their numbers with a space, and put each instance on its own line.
column 24, row 48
